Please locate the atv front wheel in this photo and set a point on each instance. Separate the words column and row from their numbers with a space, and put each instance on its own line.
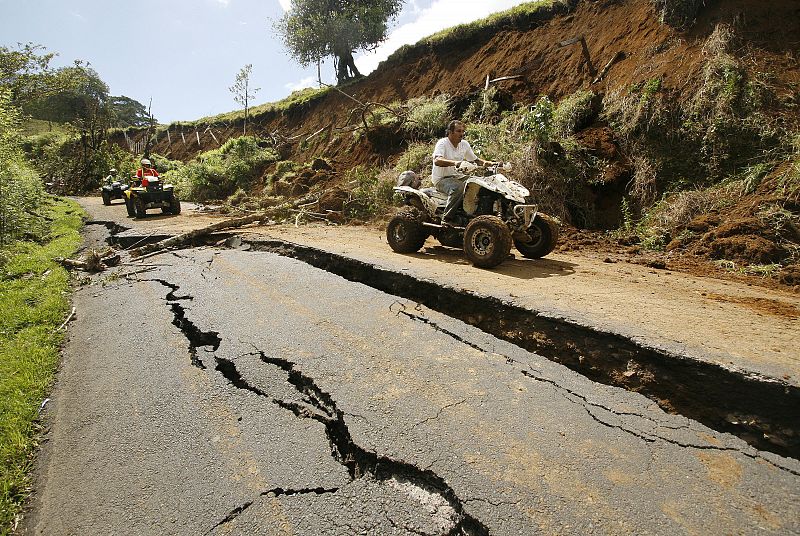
column 141, row 211
column 106, row 198
column 487, row 241
column 129, row 208
column 540, row 239
column 175, row 206
column 405, row 232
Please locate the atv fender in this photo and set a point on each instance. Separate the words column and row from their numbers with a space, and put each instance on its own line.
column 426, row 204
column 495, row 183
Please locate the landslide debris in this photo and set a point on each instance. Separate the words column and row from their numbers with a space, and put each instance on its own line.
column 672, row 137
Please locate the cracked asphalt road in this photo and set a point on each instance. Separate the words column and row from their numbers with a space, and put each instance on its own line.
column 225, row 392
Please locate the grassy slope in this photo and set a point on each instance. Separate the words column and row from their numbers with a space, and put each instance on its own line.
column 34, row 298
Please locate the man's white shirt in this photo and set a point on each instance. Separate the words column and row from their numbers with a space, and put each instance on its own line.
column 445, row 149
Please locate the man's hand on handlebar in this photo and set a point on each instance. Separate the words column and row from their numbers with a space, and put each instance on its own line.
column 466, row 167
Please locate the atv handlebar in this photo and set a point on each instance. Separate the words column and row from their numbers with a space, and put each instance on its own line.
column 467, row 167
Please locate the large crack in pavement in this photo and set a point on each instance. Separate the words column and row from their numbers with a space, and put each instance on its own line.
column 764, row 412
column 320, row 406
column 589, row 406
column 197, row 338
column 274, row 492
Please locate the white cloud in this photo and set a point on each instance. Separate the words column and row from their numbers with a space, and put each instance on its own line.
column 439, row 15
column 224, row 3
column 285, row 4
column 310, row 81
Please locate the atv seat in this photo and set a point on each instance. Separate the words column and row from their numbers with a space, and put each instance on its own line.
column 433, row 193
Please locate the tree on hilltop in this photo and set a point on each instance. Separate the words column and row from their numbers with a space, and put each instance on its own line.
column 316, row 29
column 242, row 92
column 128, row 112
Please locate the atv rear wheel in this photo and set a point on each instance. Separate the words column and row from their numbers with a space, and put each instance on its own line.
column 106, row 198
column 405, row 232
column 487, row 241
column 540, row 239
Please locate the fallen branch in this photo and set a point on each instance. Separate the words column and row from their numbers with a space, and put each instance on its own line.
column 617, row 57
column 315, row 215
column 71, row 314
column 181, row 239
column 141, row 240
column 233, row 223
column 128, row 274
column 94, row 262
column 143, row 257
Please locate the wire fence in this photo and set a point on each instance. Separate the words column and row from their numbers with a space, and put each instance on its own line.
column 187, row 138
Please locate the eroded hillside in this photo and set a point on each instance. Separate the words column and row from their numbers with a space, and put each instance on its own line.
column 683, row 138
column 531, row 50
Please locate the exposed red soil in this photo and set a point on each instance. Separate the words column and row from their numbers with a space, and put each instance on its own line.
column 651, row 49
column 767, row 34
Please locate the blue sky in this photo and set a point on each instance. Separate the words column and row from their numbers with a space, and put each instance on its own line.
column 185, row 54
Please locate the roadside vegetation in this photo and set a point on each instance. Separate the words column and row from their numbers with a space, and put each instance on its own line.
column 34, row 298
column 35, row 228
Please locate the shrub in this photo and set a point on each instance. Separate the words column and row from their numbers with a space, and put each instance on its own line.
column 572, row 112
column 417, row 157
column 428, row 117
column 21, row 193
column 538, row 121
column 206, row 179
column 286, row 165
column 217, row 174
column 678, row 209
column 163, row 164
column 21, row 188
column 372, row 193
column 483, row 107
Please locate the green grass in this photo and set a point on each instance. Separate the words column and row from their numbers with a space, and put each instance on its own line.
column 297, row 98
column 32, row 127
column 34, row 298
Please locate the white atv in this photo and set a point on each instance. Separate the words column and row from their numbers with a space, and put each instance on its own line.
column 495, row 213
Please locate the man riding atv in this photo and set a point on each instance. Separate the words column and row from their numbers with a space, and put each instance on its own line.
column 474, row 207
column 147, row 170
column 147, row 192
column 112, row 188
column 452, row 158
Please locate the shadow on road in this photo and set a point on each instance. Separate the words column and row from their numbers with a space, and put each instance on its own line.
column 156, row 217
column 518, row 267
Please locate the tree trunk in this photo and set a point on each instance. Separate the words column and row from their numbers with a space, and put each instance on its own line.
column 345, row 67
column 341, row 69
column 181, row 239
column 351, row 65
